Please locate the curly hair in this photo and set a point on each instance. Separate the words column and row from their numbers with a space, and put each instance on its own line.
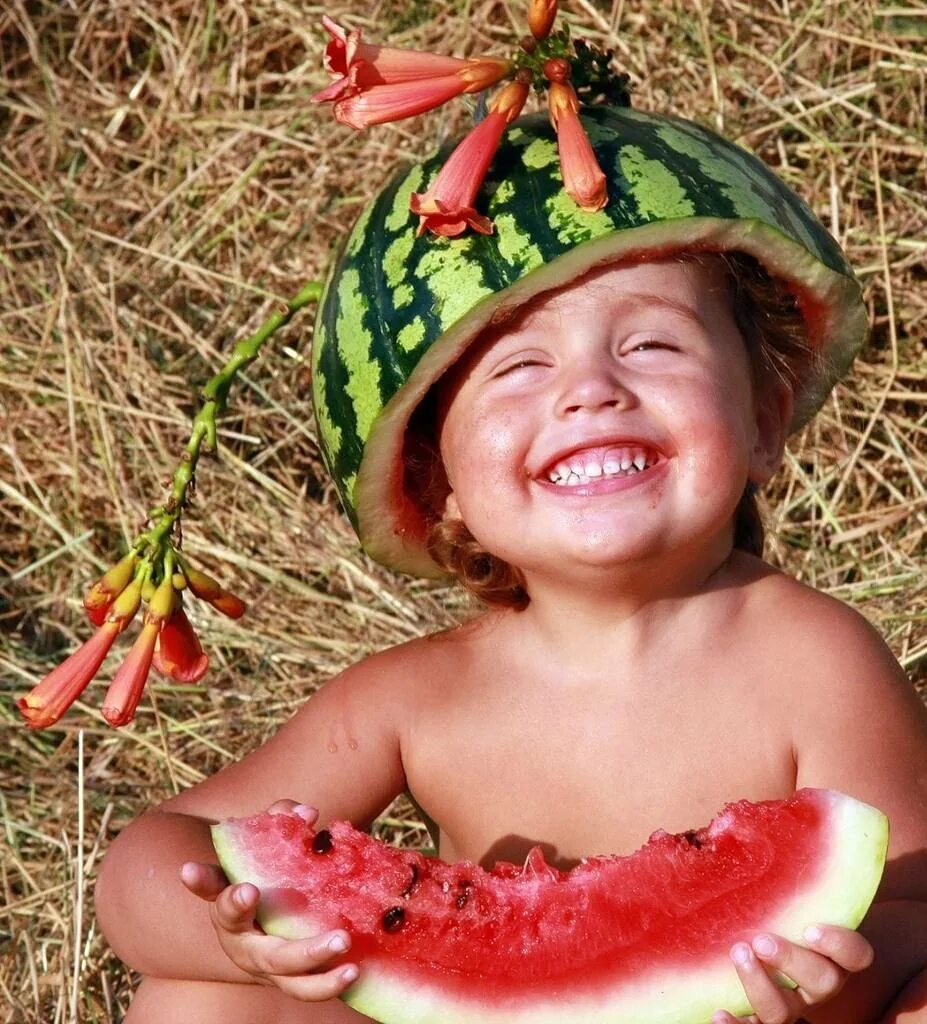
column 770, row 321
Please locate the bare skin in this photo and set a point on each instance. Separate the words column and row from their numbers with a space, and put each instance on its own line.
column 654, row 676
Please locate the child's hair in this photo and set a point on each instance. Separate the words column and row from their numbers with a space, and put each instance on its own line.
column 768, row 317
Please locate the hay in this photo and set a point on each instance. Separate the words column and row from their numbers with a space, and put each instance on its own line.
column 163, row 183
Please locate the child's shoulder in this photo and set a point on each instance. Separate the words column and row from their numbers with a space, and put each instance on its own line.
column 422, row 661
column 855, row 721
column 803, row 623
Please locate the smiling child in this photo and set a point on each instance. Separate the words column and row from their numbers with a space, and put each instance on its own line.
column 577, row 414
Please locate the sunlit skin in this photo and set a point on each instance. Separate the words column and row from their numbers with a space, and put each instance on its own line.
column 655, row 675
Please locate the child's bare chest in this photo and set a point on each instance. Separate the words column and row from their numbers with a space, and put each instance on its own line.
column 595, row 769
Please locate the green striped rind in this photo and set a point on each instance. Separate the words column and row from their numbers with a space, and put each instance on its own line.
column 841, row 895
column 399, row 309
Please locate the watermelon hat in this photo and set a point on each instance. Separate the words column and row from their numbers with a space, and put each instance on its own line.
column 521, row 205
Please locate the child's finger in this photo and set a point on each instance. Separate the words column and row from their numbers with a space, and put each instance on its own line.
column 287, row 957
column 818, row 978
column 235, row 906
column 770, row 1002
column 203, row 880
column 845, row 947
column 307, row 813
column 316, row 987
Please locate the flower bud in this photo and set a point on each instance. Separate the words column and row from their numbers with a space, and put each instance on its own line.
column 162, row 603
column 207, row 589
column 102, row 594
column 126, row 605
column 556, row 69
column 541, row 16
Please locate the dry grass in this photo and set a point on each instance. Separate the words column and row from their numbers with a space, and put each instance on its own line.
column 163, row 181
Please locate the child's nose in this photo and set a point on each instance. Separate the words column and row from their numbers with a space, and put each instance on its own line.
column 592, row 388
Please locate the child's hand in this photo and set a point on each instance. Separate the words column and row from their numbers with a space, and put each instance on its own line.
column 295, row 966
column 819, row 972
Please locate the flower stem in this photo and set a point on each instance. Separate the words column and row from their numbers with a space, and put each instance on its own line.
column 215, row 396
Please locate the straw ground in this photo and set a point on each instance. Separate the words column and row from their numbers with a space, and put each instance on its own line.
column 163, row 184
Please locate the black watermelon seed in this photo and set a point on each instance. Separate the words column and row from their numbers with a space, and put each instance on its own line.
column 322, row 842
column 464, row 894
column 413, row 882
column 393, row 919
column 692, row 839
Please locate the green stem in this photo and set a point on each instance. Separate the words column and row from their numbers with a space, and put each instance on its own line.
column 215, row 396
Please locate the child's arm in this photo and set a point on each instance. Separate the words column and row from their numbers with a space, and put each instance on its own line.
column 859, row 727
column 339, row 753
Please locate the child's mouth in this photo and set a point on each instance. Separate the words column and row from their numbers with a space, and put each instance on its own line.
column 593, row 467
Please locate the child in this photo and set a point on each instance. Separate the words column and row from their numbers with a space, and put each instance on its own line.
column 586, row 464
column 685, row 670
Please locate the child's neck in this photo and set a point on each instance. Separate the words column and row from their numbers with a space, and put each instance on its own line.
column 582, row 620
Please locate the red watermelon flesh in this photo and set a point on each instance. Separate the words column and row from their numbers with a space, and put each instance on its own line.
column 639, row 939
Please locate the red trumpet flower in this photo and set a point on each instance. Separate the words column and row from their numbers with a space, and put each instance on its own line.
column 381, row 83
column 356, row 66
column 48, row 701
column 177, row 652
column 125, row 690
column 447, row 207
column 582, row 176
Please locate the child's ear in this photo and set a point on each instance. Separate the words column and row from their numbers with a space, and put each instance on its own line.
column 451, row 508
column 773, row 414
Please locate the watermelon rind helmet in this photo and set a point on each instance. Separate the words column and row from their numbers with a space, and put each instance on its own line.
column 398, row 308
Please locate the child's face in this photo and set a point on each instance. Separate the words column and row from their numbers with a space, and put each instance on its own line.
column 541, row 421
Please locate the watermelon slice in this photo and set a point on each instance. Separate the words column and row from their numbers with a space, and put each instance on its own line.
column 642, row 939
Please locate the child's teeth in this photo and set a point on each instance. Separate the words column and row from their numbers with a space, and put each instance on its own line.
column 617, row 462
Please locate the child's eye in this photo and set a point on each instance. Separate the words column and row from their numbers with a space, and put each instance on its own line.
column 520, row 364
column 650, row 344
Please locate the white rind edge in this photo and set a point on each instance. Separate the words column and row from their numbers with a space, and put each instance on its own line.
column 841, row 896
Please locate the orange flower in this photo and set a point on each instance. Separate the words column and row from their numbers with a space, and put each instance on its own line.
column 407, row 96
column 125, row 690
column 207, row 589
column 101, row 595
column 541, row 15
column 355, row 65
column 582, row 176
column 447, row 207
column 178, row 653
column 48, row 701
